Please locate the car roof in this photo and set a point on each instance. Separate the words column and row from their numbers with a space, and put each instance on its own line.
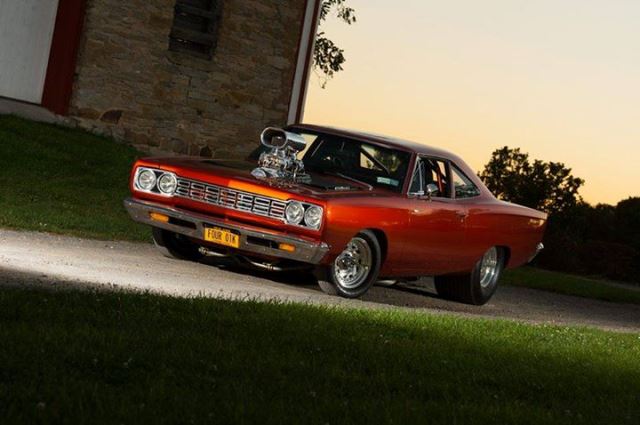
column 379, row 139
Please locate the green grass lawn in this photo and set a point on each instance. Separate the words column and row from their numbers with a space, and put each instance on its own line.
column 85, row 357
column 563, row 283
column 62, row 180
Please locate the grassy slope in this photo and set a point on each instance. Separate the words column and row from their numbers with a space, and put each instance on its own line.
column 64, row 181
column 569, row 284
column 117, row 358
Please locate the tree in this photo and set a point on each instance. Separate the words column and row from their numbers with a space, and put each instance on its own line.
column 328, row 58
column 628, row 221
column 547, row 186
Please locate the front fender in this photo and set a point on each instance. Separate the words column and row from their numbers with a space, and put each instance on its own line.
column 345, row 218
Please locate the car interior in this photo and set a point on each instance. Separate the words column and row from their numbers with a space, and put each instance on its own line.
column 431, row 171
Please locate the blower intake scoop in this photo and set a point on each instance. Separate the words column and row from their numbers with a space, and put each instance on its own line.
column 280, row 161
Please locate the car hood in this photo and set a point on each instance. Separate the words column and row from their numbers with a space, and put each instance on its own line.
column 238, row 171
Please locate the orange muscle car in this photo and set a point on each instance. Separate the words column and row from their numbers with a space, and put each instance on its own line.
column 356, row 208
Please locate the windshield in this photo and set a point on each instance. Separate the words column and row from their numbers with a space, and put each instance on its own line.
column 309, row 138
column 360, row 161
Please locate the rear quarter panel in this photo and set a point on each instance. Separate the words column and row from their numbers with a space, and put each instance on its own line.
column 497, row 223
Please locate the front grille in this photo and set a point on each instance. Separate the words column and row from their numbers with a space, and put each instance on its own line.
column 229, row 198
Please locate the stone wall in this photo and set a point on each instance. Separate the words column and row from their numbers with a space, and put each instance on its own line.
column 130, row 86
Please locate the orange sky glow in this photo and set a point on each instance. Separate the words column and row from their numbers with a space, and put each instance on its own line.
column 558, row 78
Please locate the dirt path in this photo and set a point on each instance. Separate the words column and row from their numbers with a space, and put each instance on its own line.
column 34, row 258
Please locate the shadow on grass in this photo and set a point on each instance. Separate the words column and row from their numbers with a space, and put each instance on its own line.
column 113, row 357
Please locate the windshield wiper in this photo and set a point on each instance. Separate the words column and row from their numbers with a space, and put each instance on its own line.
column 344, row 176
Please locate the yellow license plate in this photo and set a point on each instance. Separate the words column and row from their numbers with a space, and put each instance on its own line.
column 222, row 237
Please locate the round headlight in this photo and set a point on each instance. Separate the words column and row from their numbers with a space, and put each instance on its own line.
column 167, row 183
column 313, row 217
column 294, row 213
column 146, row 180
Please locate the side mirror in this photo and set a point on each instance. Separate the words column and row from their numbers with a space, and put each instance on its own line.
column 432, row 189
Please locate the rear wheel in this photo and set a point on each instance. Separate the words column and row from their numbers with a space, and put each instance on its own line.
column 355, row 269
column 477, row 287
column 175, row 245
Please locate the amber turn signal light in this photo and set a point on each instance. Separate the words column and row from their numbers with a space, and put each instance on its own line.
column 287, row 247
column 159, row 217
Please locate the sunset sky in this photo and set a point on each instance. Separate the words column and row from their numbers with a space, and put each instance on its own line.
column 558, row 78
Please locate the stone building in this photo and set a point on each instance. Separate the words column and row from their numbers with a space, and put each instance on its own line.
column 200, row 77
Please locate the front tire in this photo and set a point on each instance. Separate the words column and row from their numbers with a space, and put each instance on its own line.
column 478, row 287
column 356, row 269
column 175, row 245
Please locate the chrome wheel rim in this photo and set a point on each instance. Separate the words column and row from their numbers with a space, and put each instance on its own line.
column 489, row 267
column 353, row 264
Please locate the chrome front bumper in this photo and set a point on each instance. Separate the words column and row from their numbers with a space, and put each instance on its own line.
column 252, row 239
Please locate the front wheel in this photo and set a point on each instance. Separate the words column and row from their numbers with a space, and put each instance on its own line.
column 477, row 287
column 355, row 269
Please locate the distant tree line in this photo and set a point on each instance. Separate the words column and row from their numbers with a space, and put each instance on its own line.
column 601, row 240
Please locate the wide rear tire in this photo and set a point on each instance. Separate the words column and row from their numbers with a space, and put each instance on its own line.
column 175, row 245
column 477, row 287
column 355, row 270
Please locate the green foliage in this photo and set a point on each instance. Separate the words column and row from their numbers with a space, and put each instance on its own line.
column 86, row 357
column 546, row 186
column 343, row 12
column 62, row 180
column 328, row 58
column 627, row 221
column 603, row 240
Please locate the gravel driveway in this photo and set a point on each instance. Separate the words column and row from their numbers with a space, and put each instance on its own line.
column 34, row 258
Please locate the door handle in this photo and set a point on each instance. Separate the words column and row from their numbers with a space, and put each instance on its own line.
column 462, row 214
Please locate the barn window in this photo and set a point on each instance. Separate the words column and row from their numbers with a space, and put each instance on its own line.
column 195, row 27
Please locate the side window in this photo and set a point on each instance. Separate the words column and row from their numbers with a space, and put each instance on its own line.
column 463, row 186
column 431, row 171
column 437, row 174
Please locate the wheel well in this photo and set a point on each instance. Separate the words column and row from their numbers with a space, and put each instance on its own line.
column 382, row 240
column 507, row 254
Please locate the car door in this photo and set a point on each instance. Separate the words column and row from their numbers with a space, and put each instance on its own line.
column 436, row 229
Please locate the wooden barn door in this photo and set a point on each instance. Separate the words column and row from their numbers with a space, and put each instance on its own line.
column 26, row 32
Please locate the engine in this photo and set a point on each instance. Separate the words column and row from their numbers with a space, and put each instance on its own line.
column 281, row 162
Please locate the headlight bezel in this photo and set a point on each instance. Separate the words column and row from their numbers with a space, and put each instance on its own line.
column 313, row 216
column 139, row 175
column 174, row 181
column 290, row 206
column 305, row 222
column 155, row 187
